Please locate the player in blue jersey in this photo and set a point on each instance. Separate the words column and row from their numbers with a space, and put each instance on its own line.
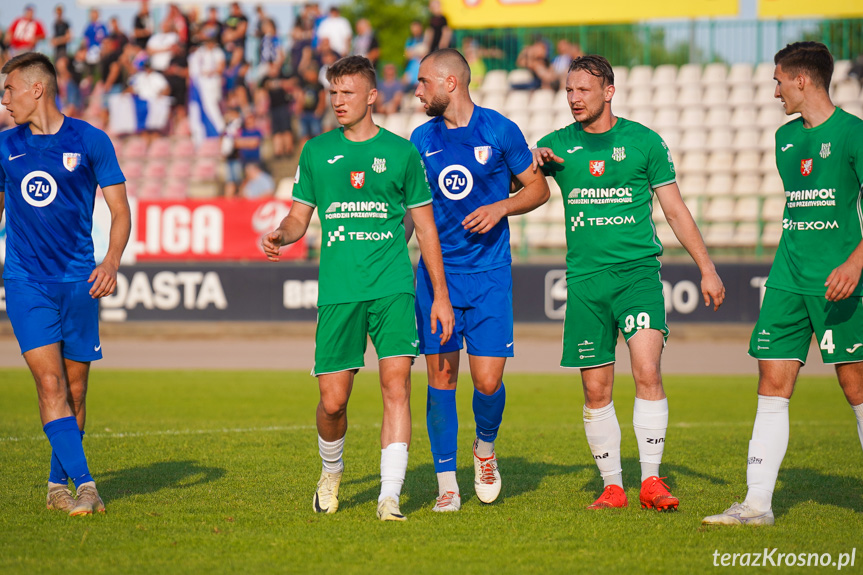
column 50, row 166
column 474, row 158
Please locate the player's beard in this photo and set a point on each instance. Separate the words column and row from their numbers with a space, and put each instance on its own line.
column 593, row 116
column 437, row 105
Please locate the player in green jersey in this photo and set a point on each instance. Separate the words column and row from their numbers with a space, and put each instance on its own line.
column 814, row 284
column 362, row 179
column 609, row 168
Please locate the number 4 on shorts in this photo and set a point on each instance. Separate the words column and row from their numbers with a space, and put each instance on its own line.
column 827, row 341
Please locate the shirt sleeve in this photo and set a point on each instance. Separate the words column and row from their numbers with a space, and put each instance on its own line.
column 417, row 192
column 549, row 168
column 103, row 158
column 855, row 151
column 516, row 152
column 660, row 166
column 304, row 188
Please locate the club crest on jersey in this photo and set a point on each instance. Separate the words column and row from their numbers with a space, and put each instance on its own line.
column 71, row 161
column 482, row 154
column 806, row 167
column 825, row 150
column 597, row 167
column 380, row 165
column 619, row 154
column 358, row 179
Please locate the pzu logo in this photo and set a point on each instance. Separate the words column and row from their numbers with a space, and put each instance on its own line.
column 39, row 188
column 455, row 181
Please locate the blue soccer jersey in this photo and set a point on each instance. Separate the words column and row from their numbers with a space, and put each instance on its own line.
column 468, row 168
column 49, row 183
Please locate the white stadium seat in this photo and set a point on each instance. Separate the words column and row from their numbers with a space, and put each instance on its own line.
column 719, row 209
column 694, row 139
column 692, row 117
column 720, row 162
column 714, row 74
column 741, row 94
column 747, row 209
column 720, row 139
column 495, row 81
column 773, row 208
column 516, row 101
column 841, row 69
column 747, row 139
column 720, row 184
column 689, row 74
column 544, row 101
column 717, row 118
column 846, row 92
column 746, row 235
column 665, row 96
column 693, row 162
column 664, row 75
column 748, row 163
column 765, row 94
column 747, row 184
column 639, row 76
column 716, row 95
column 772, row 234
column 763, row 74
column 720, row 234
column 665, row 117
column 744, row 116
column 520, row 76
column 690, row 95
column 740, row 74
column 772, row 186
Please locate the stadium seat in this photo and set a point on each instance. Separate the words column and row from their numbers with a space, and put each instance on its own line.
column 665, row 96
column 689, row 74
column 517, row 101
column 690, row 95
column 772, row 234
column 175, row 191
column 767, row 165
column 772, row 186
column 285, row 189
column 132, row 169
column 740, row 74
column 562, row 119
column 767, row 143
column 720, row 234
column 416, row 120
column 642, row 115
column 180, row 170
column 672, row 137
column 720, row 139
column 763, row 74
column 639, row 76
column 720, row 185
column 744, row 116
column 665, row 117
column 621, row 75
column 717, row 117
column 747, row 209
column 494, row 82
column 692, row 117
column 741, row 94
column 555, row 238
column 694, row 139
column 720, row 162
column 640, row 96
column 492, row 100
column 715, row 74
column 519, row 76
column 664, row 75
column 135, row 148
column 156, row 170
column 693, row 162
column 719, row 209
column 746, row 235
column 841, row 69
column 747, row 139
column 210, row 148
column 621, row 97
column 774, row 207
column 692, row 185
column 542, row 101
column 666, row 236
column 846, row 92
column 150, row 189
column 520, row 119
column 771, row 115
column 855, row 108
column 205, row 170
column 715, row 95
column 396, row 123
column 765, row 94
column 160, row 148
column 184, row 148
column 748, row 163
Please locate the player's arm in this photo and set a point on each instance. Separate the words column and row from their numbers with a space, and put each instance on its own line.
column 441, row 310
column 683, row 225
column 842, row 280
column 104, row 276
column 533, row 194
column 292, row 228
column 542, row 156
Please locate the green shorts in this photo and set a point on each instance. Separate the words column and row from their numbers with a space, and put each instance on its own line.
column 343, row 330
column 627, row 297
column 788, row 320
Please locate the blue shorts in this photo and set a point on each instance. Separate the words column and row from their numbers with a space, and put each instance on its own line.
column 42, row 314
column 482, row 303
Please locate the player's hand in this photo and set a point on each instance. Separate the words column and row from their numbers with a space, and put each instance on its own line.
column 104, row 280
column 712, row 287
column 484, row 218
column 842, row 281
column 272, row 243
column 543, row 155
column 441, row 311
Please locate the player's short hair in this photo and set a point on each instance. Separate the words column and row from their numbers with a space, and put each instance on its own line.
column 452, row 61
column 595, row 65
column 812, row 59
column 35, row 66
column 351, row 66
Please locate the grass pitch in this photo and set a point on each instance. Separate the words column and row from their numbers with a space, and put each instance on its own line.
column 206, row 472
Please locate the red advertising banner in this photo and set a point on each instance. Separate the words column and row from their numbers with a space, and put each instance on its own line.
column 206, row 230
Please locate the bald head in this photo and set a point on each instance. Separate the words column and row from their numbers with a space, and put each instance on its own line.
column 449, row 62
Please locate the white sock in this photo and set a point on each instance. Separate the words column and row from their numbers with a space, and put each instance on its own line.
column 858, row 411
column 446, row 482
column 331, row 454
column 650, row 422
column 394, row 464
column 484, row 449
column 603, row 437
column 766, row 450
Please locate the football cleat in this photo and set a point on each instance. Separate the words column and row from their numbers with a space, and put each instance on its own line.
column 486, row 477
column 740, row 514
column 448, row 501
column 655, row 495
column 612, row 497
column 388, row 510
column 60, row 498
column 88, row 501
column 326, row 498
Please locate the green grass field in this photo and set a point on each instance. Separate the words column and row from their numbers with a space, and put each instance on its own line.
column 207, row 472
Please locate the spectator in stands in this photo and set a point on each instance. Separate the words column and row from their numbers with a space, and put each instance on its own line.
column 151, row 86
column 68, row 84
column 25, row 32
column 177, row 76
column 113, row 74
column 365, row 43
column 115, row 33
column 327, row 57
column 280, row 93
column 161, row 45
column 236, row 92
column 236, row 28
column 94, row 34
column 206, row 66
column 856, row 70
column 313, row 101
column 142, row 27
column 258, row 184
column 271, row 55
column 210, row 26
column 243, row 147
column 182, row 25
column 259, row 28
column 477, row 65
column 337, row 30
column 301, row 41
column 62, row 34
column 390, row 91
column 534, row 57
column 566, row 53
column 415, row 51
column 438, row 33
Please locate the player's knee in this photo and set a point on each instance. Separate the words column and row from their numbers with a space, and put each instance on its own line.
column 487, row 386
column 334, row 407
column 647, row 374
column 397, row 391
column 51, row 385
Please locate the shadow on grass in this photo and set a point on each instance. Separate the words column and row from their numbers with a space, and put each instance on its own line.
column 120, row 483
column 803, row 485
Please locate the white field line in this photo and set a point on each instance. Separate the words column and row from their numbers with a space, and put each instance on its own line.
column 279, row 428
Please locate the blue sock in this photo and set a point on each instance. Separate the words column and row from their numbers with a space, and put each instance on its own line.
column 58, row 474
column 442, row 422
column 65, row 438
column 488, row 412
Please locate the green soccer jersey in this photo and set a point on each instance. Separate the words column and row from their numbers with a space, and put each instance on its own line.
column 362, row 190
column 822, row 170
column 607, row 181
